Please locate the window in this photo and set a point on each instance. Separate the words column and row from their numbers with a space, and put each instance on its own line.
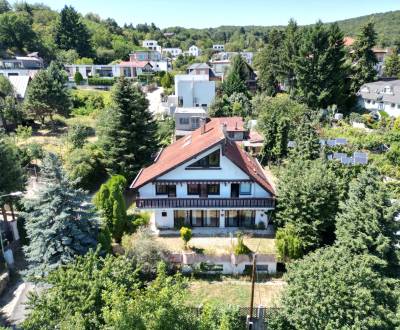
column 195, row 122
column 245, row 188
column 398, row 106
column 204, row 105
column 184, row 121
column 169, row 190
column 231, row 135
column 163, row 214
column 212, row 160
column 193, row 189
column 393, row 105
column 213, row 189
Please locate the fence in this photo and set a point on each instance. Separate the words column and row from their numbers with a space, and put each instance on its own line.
column 243, row 312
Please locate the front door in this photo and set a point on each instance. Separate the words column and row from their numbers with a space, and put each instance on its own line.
column 203, row 191
column 234, row 190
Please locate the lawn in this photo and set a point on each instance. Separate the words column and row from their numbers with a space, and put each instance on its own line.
column 235, row 292
column 219, row 245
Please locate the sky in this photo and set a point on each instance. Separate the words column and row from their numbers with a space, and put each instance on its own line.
column 214, row 13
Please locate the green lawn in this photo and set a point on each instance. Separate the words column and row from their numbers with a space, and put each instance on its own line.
column 234, row 292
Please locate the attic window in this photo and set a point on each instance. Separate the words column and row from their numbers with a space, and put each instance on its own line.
column 209, row 161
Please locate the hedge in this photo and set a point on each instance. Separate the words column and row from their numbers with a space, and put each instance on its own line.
column 101, row 81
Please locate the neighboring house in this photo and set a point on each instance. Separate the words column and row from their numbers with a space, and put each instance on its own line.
column 381, row 95
column 20, row 85
column 202, row 69
column 194, row 90
column 152, row 45
column 187, row 120
column 175, row 52
column 92, row 70
column 158, row 62
column 218, row 48
column 132, row 69
column 21, row 65
column 248, row 56
column 220, row 67
column 194, row 51
column 205, row 180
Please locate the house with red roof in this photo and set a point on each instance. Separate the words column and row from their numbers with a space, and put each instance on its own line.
column 206, row 179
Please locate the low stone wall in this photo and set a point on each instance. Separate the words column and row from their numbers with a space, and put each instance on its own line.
column 4, row 279
column 227, row 263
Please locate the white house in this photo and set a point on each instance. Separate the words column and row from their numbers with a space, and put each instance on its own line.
column 175, row 52
column 219, row 48
column 194, row 90
column 21, row 66
column 187, row 120
column 205, row 179
column 194, row 51
column 152, row 45
column 381, row 95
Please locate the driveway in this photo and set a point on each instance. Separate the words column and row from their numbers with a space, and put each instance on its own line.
column 154, row 98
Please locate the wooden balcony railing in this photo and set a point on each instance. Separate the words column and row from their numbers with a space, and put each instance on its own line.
column 187, row 203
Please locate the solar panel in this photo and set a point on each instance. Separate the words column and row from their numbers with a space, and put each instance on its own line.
column 360, row 161
column 331, row 143
column 341, row 142
column 322, row 142
column 360, row 155
column 339, row 155
column 291, row 144
column 346, row 160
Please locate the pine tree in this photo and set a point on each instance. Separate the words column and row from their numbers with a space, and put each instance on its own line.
column 319, row 68
column 363, row 58
column 71, row 32
column 127, row 131
column 367, row 219
column 239, row 73
column 60, row 223
column 48, row 93
column 4, row 6
column 6, row 90
column 110, row 202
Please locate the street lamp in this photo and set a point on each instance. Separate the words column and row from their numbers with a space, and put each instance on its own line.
column 13, row 194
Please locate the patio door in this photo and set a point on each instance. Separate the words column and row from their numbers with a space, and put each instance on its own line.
column 197, row 218
column 235, row 190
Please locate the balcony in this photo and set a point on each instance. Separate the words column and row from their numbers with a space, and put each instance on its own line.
column 188, row 203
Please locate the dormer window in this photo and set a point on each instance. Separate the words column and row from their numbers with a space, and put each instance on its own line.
column 388, row 90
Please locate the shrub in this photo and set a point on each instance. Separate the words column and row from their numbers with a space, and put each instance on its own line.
column 289, row 245
column 101, row 81
column 186, row 235
column 77, row 135
column 78, row 78
column 240, row 247
column 261, row 225
column 23, row 132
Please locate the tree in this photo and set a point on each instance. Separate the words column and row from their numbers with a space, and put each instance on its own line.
column 86, row 168
column 16, row 32
column 334, row 289
column 127, row 130
column 71, row 32
column 268, row 64
column 367, row 221
column 186, row 235
column 6, row 90
column 78, row 78
column 319, row 68
column 109, row 201
column 4, row 6
column 167, row 80
column 59, row 222
column 308, row 199
column 48, row 93
column 288, row 244
column 363, row 58
column 277, row 120
column 290, row 51
column 392, row 64
column 238, row 74
column 77, row 135
column 306, row 139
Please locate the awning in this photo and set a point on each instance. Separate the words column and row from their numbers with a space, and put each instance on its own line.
column 172, row 182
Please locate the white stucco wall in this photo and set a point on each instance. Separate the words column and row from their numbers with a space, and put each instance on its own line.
column 194, row 91
column 387, row 107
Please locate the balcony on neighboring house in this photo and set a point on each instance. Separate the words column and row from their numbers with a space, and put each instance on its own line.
column 187, row 203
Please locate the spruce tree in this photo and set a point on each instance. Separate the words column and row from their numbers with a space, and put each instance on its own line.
column 127, row 131
column 319, row 68
column 392, row 64
column 238, row 74
column 290, row 50
column 59, row 221
column 367, row 219
column 363, row 58
column 72, row 33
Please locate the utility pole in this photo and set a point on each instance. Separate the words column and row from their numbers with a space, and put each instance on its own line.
column 253, row 280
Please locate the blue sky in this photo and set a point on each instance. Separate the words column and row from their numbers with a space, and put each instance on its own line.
column 213, row 13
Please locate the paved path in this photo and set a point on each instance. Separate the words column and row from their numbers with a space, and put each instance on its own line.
column 155, row 101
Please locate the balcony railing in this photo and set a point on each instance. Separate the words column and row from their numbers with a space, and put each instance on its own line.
column 187, row 203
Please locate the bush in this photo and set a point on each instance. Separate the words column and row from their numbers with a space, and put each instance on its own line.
column 186, row 235
column 240, row 247
column 101, row 81
column 261, row 225
column 78, row 78
column 288, row 244
column 77, row 135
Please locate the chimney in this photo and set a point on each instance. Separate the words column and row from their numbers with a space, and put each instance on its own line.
column 203, row 125
column 224, row 129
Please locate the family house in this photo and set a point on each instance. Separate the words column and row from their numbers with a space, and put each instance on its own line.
column 21, row 65
column 381, row 95
column 194, row 51
column 205, row 179
column 187, row 120
column 202, row 69
column 174, row 52
column 194, row 90
column 152, row 45
column 218, row 48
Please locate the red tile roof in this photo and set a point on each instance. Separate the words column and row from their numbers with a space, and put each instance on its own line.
column 135, row 64
column 234, row 124
column 348, row 41
column 254, row 136
column 190, row 146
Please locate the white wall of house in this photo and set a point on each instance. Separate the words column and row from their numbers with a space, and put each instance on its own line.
column 194, row 90
column 160, row 66
column 173, row 51
column 164, row 218
column 194, row 51
column 392, row 109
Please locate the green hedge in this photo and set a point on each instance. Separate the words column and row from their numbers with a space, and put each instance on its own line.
column 101, row 81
